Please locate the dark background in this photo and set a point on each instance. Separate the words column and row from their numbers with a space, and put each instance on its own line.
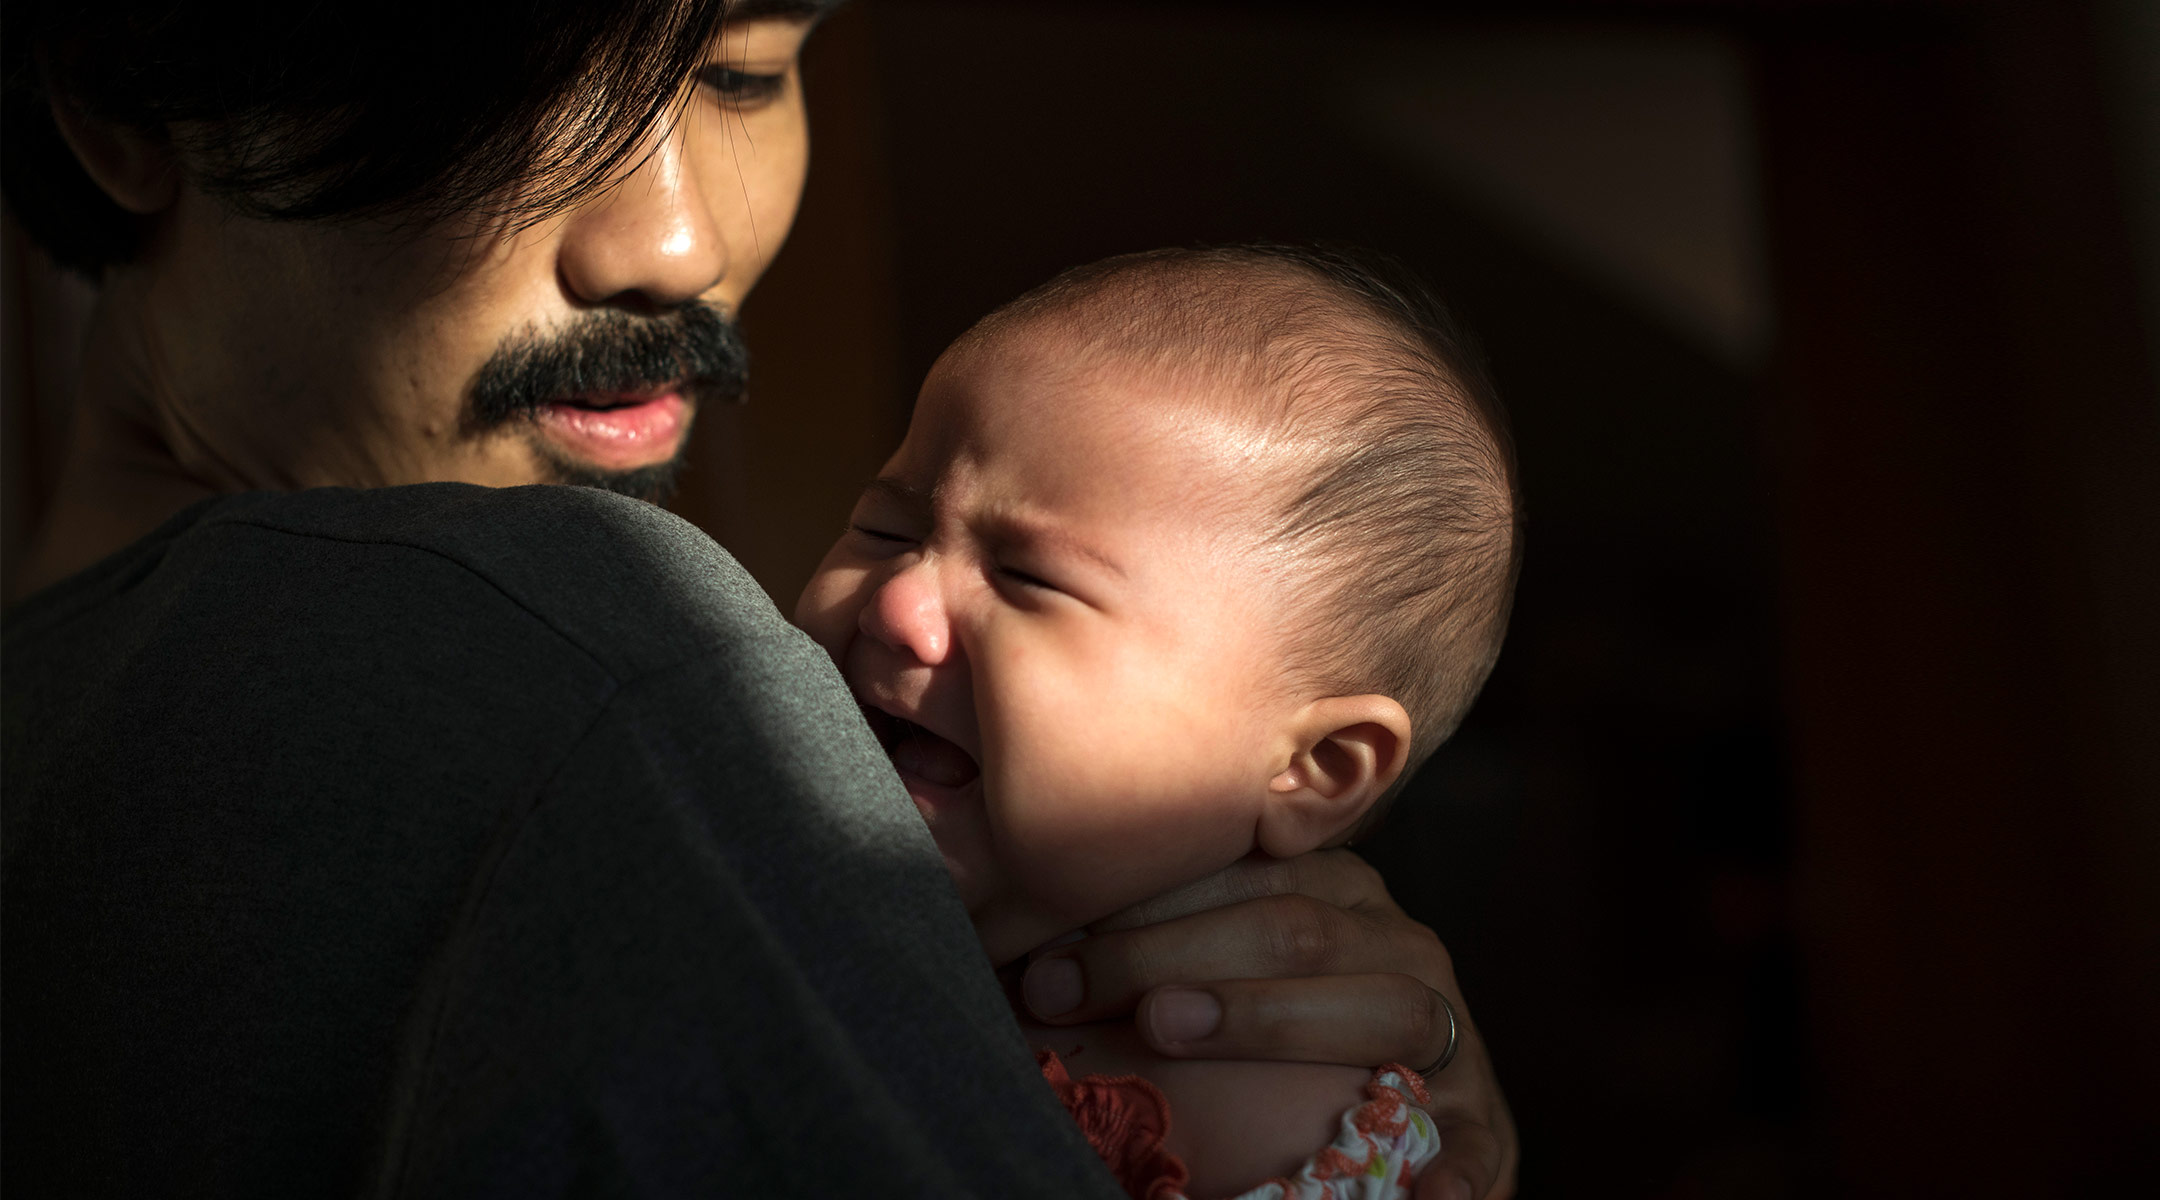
column 1806, row 840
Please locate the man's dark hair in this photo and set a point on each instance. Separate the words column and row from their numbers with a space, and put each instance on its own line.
column 1408, row 508
column 321, row 109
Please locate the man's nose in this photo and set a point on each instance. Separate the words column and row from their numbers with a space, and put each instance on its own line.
column 650, row 240
column 908, row 613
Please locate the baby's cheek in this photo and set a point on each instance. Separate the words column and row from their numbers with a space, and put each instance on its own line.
column 1089, row 824
column 1107, row 778
column 1050, row 810
column 830, row 605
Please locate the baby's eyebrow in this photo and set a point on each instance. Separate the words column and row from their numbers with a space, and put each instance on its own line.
column 902, row 493
column 1022, row 528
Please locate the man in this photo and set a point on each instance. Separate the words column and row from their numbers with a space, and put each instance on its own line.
column 429, row 839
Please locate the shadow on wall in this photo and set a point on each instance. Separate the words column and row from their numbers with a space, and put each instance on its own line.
column 1801, row 311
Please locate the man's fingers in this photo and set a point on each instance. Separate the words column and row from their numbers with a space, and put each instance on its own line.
column 1469, row 1166
column 1440, row 1183
column 1310, row 960
column 1356, row 1019
column 1477, row 1132
column 1275, row 937
column 1336, row 877
column 1359, row 1019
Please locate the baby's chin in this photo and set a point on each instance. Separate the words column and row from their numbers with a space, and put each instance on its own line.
column 973, row 880
column 1013, row 915
column 1006, row 931
column 1011, row 922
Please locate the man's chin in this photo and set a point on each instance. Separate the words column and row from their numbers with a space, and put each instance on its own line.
column 654, row 483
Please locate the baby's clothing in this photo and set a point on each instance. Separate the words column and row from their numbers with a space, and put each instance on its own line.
column 1382, row 1144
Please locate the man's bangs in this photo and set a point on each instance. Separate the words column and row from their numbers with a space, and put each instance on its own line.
column 518, row 117
column 319, row 111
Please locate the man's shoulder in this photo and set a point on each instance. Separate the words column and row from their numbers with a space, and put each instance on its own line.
column 629, row 583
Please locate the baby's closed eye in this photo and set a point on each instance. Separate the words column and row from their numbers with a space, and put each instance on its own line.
column 879, row 535
column 1026, row 579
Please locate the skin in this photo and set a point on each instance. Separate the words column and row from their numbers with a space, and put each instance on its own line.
column 1062, row 577
column 235, row 354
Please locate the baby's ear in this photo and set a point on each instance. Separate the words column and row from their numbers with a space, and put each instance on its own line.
column 1344, row 753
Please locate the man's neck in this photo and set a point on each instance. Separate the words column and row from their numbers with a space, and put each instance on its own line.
column 121, row 478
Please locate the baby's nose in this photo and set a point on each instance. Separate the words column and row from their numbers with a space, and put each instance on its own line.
column 907, row 613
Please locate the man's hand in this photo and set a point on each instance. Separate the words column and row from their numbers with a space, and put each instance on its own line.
column 1305, row 959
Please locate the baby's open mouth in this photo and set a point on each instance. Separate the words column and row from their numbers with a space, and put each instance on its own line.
column 918, row 752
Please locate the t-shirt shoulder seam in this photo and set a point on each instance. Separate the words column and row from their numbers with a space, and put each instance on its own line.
column 469, row 568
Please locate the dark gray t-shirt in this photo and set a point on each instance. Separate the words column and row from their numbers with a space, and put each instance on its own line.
column 447, row 841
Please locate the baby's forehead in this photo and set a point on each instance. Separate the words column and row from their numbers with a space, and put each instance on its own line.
column 1268, row 327
column 1066, row 419
column 1187, row 403
column 1263, row 358
column 1132, row 376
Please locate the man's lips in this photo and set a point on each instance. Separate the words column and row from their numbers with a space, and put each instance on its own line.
column 617, row 433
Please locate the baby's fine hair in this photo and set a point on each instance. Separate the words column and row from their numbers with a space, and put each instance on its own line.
column 1409, row 511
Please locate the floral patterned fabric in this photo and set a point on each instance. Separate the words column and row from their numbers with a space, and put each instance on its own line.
column 1381, row 1146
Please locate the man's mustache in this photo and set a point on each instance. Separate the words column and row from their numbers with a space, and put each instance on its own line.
column 608, row 353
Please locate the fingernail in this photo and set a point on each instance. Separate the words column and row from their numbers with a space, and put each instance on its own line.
column 1184, row 1016
column 1052, row 987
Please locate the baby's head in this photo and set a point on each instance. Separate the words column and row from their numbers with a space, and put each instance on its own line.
column 1185, row 554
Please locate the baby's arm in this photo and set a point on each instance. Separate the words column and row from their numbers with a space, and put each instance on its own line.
column 1234, row 1124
